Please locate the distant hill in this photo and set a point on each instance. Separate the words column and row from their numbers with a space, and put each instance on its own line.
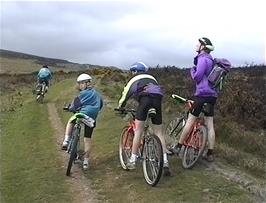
column 17, row 62
column 39, row 59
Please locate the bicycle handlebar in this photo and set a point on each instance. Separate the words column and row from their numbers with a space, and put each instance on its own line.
column 182, row 99
column 66, row 108
column 125, row 111
column 188, row 102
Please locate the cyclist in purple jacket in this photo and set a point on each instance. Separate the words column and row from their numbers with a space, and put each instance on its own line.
column 204, row 94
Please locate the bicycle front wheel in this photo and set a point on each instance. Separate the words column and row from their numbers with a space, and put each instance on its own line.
column 73, row 150
column 39, row 98
column 195, row 148
column 152, row 160
column 125, row 146
column 173, row 131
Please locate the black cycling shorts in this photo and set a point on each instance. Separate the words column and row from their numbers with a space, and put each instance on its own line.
column 87, row 130
column 147, row 102
column 43, row 80
column 198, row 106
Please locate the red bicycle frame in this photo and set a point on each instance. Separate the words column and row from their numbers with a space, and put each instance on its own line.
column 193, row 140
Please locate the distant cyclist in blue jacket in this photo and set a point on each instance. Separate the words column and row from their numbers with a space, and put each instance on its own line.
column 45, row 75
column 89, row 102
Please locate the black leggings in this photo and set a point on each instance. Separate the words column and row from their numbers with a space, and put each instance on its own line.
column 147, row 102
column 87, row 130
column 198, row 105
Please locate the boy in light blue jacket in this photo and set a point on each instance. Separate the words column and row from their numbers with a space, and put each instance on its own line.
column 90, row 103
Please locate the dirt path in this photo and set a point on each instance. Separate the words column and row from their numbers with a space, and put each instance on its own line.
column 78, row 183
column 242, row 179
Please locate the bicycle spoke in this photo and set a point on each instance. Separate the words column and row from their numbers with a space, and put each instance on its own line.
column 195, row 147
column 153, row 160
column 173, row 131
column 73, row 150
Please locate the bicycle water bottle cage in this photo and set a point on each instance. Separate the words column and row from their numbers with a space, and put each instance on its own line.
column 152, row 113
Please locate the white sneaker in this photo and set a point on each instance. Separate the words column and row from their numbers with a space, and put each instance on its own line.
column 65, row 145
column 85, row 164
column 131, row 165
column 166, row 170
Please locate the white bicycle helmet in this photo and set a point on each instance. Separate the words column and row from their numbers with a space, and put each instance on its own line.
column 207, row 43
column 84, row 78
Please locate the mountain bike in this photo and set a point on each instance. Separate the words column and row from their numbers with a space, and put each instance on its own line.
column 150, row 149
column 40, row 91
column 74, row 147
column 194, row 144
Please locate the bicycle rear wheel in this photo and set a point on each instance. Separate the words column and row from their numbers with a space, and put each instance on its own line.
column 173, row 131
column 125, row 146
column 152, row 160
column 195, row 148
column 73, row 150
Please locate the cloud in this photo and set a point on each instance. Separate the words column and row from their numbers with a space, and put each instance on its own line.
column 119, row 33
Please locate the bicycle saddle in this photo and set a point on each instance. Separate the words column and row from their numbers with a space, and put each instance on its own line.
column 151, row 112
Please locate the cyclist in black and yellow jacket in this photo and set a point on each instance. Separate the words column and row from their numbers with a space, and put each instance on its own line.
column 145, row 89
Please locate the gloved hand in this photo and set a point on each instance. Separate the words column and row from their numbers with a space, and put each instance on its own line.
column 193, row 70
column 66, row 108
column 120, row 111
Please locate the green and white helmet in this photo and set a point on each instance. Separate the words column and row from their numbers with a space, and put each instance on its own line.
column 207, row 43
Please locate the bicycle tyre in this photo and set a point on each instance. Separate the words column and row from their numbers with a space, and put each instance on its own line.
column 73, row 151
column 173, row 131
column 152, row 160
column 125, row 146
column 40, row 98
column 192, row 153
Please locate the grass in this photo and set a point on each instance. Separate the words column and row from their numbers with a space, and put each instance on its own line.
column 18, row 65
column 30, row 175
column 30, row 167
column 113, row 184
column 116, row 185
column 244, row 149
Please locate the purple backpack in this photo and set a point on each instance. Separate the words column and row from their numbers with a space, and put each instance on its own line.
column 220, row 68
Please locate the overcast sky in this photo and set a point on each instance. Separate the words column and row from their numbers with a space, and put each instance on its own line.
column 119, row 33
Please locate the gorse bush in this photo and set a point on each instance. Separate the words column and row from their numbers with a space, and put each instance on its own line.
column 240, row 120
column 242, row 99
column 244, row 96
